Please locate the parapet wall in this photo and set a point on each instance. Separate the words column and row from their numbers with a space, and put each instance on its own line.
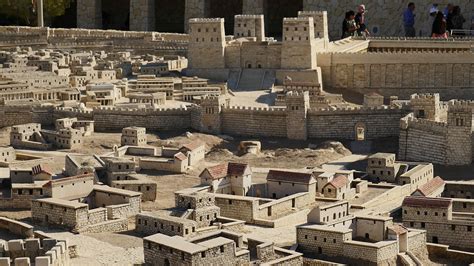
column 107, row 119
column 422, row 140
column 340, row 123
column 248, row 121
column 27, row 36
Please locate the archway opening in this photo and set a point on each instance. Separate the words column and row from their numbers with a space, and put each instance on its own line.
column 226, row 9
column 276, row 11
column 169, row 15
column 116, row 14
column 360, row 131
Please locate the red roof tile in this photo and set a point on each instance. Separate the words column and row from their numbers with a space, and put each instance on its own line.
column 339, row 181
column 430, row 187
column 285, row 176
column 217, row 171
column 398, row 229
column 426, row 202
column 180, row 156
column 192, row 145
column 236, row 169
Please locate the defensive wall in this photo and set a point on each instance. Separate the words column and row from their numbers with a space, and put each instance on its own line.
column 339, row 123
column 12, row 36
column 449, row 73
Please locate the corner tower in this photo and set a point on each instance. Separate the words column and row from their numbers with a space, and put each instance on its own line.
column 297, row 104
column 206, row 43
column 249, row 26
column 459, row 137
column 298, row 48
column 211, row 108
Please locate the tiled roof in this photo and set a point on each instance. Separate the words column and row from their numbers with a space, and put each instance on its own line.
column 180, row 156
column 236, row 169
column 430, row 187
column 398, row 229
column 294, row 177
column 426, row 202
column 339, row 181
column 217, row 171
column 192, row 145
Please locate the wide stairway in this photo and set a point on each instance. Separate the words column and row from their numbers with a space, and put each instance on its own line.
column 255, row 79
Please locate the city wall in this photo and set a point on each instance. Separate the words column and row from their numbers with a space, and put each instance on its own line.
column 338, row 123
column 423, row 140
column 449, row 73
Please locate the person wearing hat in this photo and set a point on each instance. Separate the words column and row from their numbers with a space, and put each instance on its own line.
column 361, row 22
column 409, row 20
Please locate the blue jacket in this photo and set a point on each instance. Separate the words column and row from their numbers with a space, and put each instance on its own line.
column 408, row 18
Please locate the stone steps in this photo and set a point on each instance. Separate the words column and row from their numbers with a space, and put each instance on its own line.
column 251, row 79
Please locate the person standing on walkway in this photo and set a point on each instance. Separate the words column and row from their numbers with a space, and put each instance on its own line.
column 361, row 21
column 457, row 21
column 409, row 20
column 349, row 26
column 439, row 27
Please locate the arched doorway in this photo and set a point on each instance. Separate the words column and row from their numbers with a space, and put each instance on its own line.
column 167, row 262
column 360, row 131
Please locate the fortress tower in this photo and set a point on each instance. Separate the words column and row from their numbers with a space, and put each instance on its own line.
column 211, row 108
column 298, row 49
column 459, row 136
column 425, row 106
column 320, row 20
column 206, row 43
column 297, row 104
column 249, row 26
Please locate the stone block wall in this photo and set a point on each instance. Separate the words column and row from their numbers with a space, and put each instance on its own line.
column 114, row 120
column 148, row 189
column 374, row 254
column 250, row 121
column 54, row 214
column 171, row 226
column 329, row 243
column 242, row 208
column 35, row 252
column 456, row 234
column 341, row 123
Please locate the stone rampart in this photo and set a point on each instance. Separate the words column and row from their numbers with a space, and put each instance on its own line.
column 252, row 121
column 423, row 140
column 112, row 119
column 341, row 123
column 47, row 252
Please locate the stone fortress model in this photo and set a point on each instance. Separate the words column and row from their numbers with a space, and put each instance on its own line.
column 93, row 121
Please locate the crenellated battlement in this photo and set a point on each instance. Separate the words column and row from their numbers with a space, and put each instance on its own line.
column 206, row 20
column 431, row 96
column 246, row 16
column 354, row 109
column 410, row 122
column 269, row 110
column 312, row 13
column 297, row 19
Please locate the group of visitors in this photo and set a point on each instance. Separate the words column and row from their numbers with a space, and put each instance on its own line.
column 355, row 24
column 440, row 23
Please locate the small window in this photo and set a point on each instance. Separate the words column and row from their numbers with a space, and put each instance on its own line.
column 203, row 254
column 453, row 227
column 422, row 225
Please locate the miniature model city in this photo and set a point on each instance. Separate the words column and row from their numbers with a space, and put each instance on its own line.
column 210, row 149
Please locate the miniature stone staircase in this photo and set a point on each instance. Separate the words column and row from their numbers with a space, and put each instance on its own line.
column 251, row 79
column 233, row 79
column 406, row 260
